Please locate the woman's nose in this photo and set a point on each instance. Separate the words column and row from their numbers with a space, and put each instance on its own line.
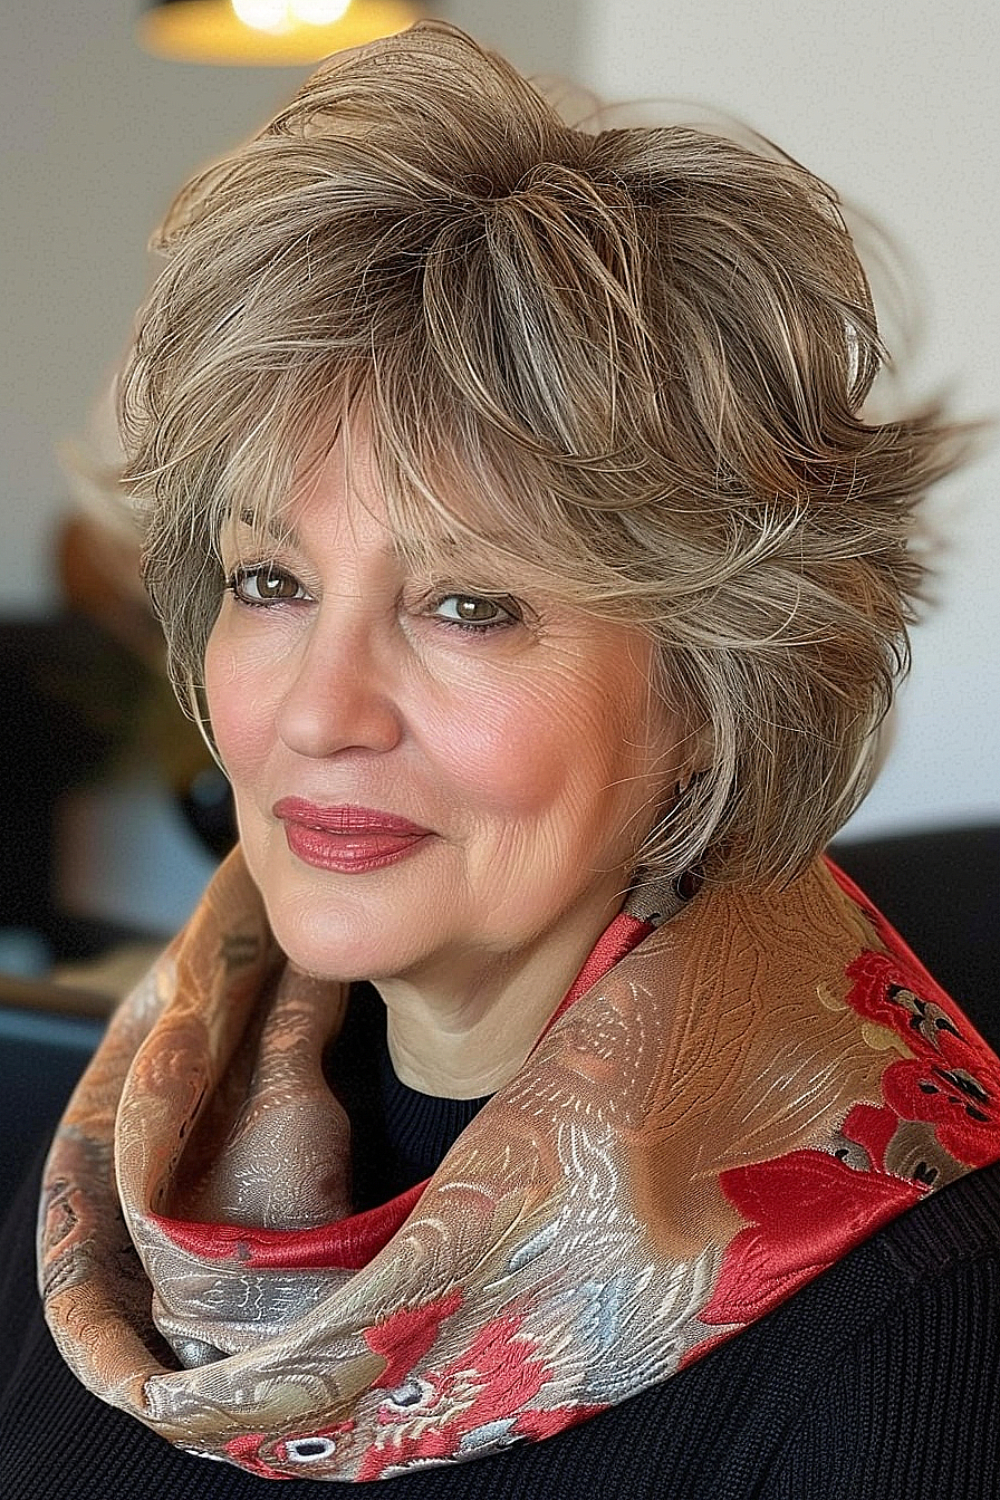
column 340, row 695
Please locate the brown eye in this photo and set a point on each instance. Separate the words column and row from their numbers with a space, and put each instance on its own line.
column 474, row 610
column 265, row 586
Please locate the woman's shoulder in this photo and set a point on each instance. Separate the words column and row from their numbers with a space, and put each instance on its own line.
column 879, row 1380
column 956, row 1226
column 904, row 1395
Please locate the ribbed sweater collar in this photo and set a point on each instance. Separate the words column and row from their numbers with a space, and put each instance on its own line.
column 399, row 1135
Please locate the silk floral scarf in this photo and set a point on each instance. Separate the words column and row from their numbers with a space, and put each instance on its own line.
column 723, row 1106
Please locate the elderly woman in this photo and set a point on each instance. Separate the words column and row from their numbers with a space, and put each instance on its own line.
column 528, row 1109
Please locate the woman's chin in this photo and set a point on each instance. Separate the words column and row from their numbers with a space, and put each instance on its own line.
column 342, row 950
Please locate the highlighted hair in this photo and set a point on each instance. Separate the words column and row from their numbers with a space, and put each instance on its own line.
column 634, row 359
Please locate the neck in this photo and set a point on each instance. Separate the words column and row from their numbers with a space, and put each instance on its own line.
column 464, row 1030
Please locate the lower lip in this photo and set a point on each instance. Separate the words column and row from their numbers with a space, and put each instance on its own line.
column 350, row 853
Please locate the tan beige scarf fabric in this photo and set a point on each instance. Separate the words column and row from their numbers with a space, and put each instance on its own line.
column 745, row 1094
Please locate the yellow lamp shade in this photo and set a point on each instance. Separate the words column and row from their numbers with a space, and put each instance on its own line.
column 267, row 32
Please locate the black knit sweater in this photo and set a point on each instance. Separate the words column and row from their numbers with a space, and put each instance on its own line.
column 878, row 1381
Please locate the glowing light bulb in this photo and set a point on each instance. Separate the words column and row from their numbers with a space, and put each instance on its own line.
column 319, row 12
column 263, row 15
column 267, row 31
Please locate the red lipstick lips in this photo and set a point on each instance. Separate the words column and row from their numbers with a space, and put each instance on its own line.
column 349, row 840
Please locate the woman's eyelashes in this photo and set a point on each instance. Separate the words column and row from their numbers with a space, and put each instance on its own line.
column 475, row 612
column 265, row 585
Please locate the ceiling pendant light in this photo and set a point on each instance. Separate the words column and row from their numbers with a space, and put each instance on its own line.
column 267, row 31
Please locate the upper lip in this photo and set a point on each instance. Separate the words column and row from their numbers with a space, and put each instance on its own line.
column 344, row 818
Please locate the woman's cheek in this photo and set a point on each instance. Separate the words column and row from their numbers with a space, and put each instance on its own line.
column 507, row 748
column 240, row 706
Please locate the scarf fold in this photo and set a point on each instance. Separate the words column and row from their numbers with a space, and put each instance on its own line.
column 723, row 1107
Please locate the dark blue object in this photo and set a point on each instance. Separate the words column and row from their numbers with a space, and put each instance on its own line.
column 41, row 1057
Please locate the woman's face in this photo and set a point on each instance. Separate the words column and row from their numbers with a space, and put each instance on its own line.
column 429, row 768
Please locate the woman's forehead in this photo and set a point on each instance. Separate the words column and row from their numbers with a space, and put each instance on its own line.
column 430, row 513
column 421, row 538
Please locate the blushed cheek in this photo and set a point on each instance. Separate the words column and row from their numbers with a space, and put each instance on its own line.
column 494, row 751
column 240, row 716
column 529, row 755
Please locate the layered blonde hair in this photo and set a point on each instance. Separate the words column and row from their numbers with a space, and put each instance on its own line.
column 633, row 358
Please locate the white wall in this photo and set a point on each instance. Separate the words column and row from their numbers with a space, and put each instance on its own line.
column 902, row 118
column 897, row 106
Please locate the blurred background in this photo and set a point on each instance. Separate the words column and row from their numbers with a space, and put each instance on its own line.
column 112, row 816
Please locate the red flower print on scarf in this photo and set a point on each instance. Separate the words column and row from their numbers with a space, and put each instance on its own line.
column 257, row 1452
column 443, row 1414
column 478, row 1397
column 406, row 1335
column 806, row 1210
column 401, row 1339
column 953, row 1080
